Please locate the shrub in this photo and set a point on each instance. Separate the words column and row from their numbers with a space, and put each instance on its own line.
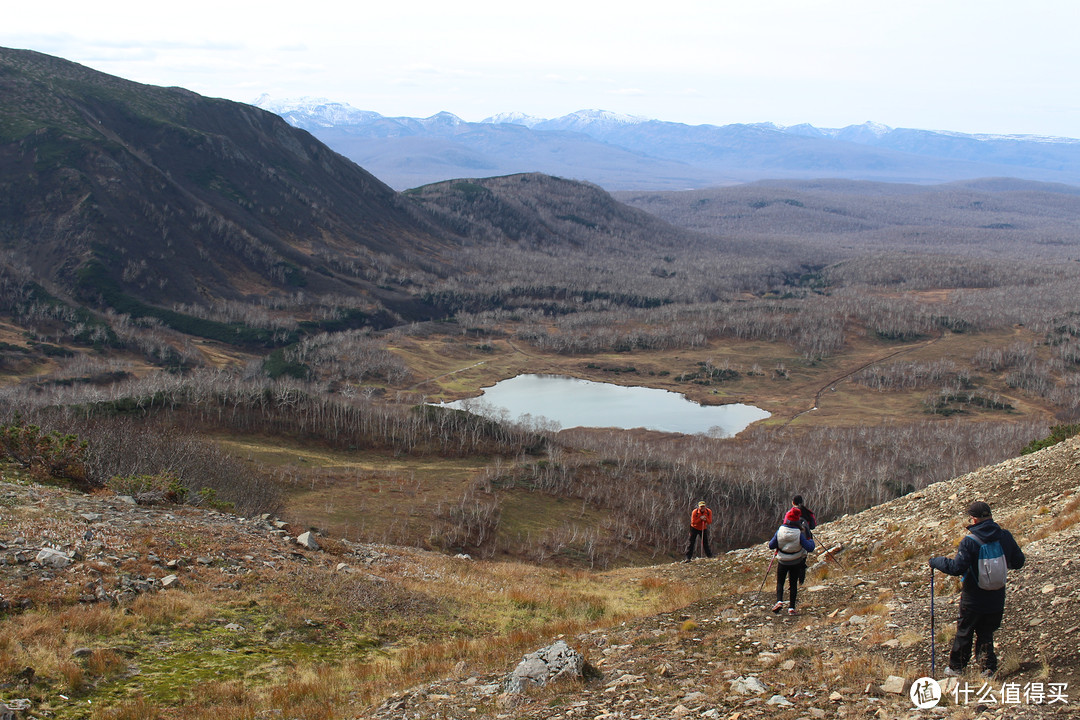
column 208, row 498
column 1058, row 433
column 160, row 487
column 45, row 455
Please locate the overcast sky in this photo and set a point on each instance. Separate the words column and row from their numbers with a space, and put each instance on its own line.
column 965, row 65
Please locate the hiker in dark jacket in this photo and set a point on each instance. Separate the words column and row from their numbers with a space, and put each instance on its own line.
column 809, row 520
column 791, row 547
column 981, row 610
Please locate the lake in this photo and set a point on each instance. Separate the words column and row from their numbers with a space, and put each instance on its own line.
column 570, row 402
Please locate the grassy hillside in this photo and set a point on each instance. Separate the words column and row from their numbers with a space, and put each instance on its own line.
column 165, row 611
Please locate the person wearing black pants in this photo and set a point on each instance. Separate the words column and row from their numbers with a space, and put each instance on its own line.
column 981, row 609
column 700, row 520
column 791, row 547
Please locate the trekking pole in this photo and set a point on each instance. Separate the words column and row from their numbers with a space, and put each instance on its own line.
column 701, row 544
column 933, row 654
column 767, row 571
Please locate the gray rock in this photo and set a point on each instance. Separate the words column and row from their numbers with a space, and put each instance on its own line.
column 545, row 666
column 894, row 684
column 307, row 540
column 48, row 557
column 779, row 700
column 169, row 581
column 748, row 685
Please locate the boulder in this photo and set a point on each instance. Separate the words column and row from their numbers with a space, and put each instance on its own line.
column 545, row 666
column 307, row 540
column 748, row 685
column 52, row 558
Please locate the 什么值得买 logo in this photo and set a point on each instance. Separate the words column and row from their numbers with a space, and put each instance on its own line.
column 925, row 693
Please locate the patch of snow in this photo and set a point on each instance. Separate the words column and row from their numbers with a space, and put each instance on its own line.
column 602, row 117
column 315, row 111
column 513, row 118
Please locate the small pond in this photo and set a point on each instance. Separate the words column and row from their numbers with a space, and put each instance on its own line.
column 569, row 402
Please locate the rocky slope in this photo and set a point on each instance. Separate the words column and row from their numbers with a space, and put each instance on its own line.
column 862, row 633
column 860, row 638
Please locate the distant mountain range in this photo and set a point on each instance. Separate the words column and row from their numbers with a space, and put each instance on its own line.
column 157, row 203
column 621, row 152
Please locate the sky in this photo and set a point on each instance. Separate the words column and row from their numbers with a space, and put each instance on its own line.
column 972, row 66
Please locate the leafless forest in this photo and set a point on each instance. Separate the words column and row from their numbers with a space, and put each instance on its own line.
column 814, row 268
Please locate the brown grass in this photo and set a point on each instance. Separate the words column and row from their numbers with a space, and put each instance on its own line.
column 447, row 366
column 135, row 709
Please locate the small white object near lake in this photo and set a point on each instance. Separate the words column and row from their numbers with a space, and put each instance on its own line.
column 570, row 402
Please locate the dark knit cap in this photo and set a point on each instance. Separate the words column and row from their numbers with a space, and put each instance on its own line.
column 979, row 510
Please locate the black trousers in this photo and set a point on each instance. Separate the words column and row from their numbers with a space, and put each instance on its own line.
column 694, row 533
column 794, row 574
column 979, row 626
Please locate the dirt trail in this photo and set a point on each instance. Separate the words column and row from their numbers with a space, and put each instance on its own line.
column 840, row 378
column 448, row 374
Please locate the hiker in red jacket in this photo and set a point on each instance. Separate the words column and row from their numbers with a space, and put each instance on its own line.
column 700, row 519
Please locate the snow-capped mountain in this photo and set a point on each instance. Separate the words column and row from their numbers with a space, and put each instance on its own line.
column 623, row 152
column 315, row 112
column 513, row 118
column 588, row 121
column 442, row 119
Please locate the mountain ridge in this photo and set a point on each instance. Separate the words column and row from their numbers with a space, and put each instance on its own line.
column 703, row 155
column 228, row 200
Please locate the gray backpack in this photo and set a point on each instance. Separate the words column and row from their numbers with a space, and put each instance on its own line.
column 990, row 568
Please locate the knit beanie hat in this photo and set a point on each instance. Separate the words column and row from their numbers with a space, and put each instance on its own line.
column 793, row 515
column 979, row 510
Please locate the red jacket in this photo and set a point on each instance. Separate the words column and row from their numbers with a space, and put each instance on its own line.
column 701, row 518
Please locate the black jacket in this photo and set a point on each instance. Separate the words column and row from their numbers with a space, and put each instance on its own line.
column 966, row 560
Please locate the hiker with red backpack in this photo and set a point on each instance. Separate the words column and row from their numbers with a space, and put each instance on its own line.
column 983, row 557
column 791, row 546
